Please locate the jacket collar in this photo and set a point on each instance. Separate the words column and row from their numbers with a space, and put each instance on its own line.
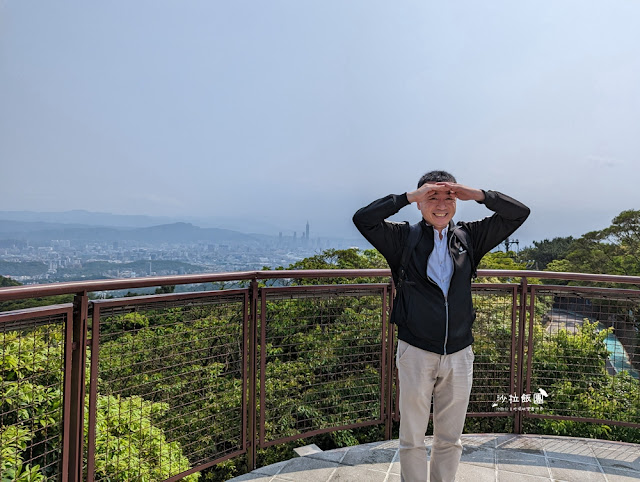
column 426, row 225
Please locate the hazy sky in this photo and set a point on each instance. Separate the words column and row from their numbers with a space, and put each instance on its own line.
column 292, row 110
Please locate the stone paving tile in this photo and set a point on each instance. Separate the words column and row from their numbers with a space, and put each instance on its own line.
column 573, row 450
column 378, row 445
column 504, row 438
column 507, row 456
column 525, row 468
column 519, row 458
column 479, row 456
column 272, row 469
column 621, row 457
column 308, row 469
column 522, row 463
column 395, row 467
column 372, row 459
column 525, row 445
column 335, row 455
column 356, row 473
column 487, row 441
column 618, row 475
column 575, row 472
column 473, row 473
column 389, row 444
column 253, row 476
column 515, row 477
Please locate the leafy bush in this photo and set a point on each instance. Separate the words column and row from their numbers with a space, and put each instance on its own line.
column 31, row 416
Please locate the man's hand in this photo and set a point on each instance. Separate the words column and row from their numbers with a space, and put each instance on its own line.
column 464, row 193
column 426, row 190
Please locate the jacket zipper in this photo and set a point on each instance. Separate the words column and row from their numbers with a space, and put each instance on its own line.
column 446, row 300
column 446, row 327
column 446, row 296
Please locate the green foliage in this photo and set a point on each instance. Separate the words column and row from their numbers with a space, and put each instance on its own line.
column 35, row 302
column 612, row 250
column 129, row 446
column 500, row 260
column 351, row 258
column 165, row 289
column 31, row 408
column 13, row 443
column 571, row 367
column 559, row 265
column 5, row 282
column 188, row 357
column 544, row 252
column 503, row 261
column 324, row 354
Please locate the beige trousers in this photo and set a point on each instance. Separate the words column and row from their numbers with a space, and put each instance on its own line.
column 423, row 374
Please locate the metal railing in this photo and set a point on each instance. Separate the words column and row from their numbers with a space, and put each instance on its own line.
column 166, row 385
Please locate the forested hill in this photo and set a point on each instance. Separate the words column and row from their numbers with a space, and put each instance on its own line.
column 170, row 233
column 101, row 269
column 612, row 250
column 4, row 282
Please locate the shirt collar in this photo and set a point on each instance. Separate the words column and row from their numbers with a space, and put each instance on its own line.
column 436, row 234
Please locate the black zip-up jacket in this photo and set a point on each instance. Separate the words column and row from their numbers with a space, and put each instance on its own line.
column 426, row 318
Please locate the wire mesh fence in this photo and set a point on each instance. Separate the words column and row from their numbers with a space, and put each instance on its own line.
column 33, row 363
column 494, row 348
column 585, row 354
column 322, row 360
column 169, row 387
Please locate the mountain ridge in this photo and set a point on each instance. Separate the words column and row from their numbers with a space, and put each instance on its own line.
column 176, row 232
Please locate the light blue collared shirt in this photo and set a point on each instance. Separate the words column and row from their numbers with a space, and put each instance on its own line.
column 440, row 264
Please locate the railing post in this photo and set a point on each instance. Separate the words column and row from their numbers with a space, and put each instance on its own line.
column 252, row 405
column 531, row 310
column 389, row 293
column 76, row 396
column 522, row 310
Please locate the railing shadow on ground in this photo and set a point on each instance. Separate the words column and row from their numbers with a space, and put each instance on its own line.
column 166, row 385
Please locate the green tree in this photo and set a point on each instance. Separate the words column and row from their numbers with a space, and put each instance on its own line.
column 4, row 282
column 544, row 252
column 351, row 258
column 613, row 250
column 572, row 368
column 31, row 413
column 165, row 289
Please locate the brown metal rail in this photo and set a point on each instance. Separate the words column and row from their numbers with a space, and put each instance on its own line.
column 73, row 287
column 520, row 371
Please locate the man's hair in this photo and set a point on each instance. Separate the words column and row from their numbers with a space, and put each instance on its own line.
column 436, row 176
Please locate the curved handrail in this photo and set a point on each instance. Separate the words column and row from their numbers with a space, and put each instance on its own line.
column 72, row 287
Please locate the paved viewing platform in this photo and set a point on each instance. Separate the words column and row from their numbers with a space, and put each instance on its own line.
column 485, row 458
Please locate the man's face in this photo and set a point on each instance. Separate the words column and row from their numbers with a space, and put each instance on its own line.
column 438, row 209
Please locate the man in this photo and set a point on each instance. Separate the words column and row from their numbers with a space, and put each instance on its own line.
column 433, row 309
